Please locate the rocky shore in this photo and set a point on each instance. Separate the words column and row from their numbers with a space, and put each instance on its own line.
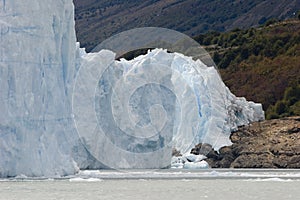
column 267, row 144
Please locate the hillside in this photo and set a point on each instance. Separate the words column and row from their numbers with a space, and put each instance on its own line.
column 261, row 64
column 97, row 20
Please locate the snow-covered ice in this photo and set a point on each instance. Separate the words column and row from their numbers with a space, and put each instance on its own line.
column 40, row 63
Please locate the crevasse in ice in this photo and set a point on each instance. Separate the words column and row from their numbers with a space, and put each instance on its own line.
column 39, row 63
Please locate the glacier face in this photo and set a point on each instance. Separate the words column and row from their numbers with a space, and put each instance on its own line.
column 204, row 109
column 39, row 66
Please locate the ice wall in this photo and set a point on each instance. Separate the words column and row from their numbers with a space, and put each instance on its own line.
column 37, row 63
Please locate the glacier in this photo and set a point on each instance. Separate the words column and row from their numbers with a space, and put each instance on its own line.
column 37, row 67
column 41, row 129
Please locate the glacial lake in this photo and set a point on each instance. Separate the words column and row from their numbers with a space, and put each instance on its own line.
column 158, row 184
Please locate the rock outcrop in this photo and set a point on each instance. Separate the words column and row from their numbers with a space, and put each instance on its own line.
column 267, row 144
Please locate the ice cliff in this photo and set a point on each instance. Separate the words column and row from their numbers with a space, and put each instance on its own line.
column 39, row 67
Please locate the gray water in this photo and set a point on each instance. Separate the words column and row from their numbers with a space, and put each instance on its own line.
column 158, row 185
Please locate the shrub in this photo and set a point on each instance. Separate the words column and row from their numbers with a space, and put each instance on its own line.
column 280, row 107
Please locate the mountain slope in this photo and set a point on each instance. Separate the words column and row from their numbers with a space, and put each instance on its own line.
column 261, row 64
column 98, row 20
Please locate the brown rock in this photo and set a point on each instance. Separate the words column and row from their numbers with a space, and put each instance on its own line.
column 176, row 153
column 226, row 161
column 253, row 161
column 225, row 151
column 203, row 149
column 281, row 161
column 266, row 144
column 294, row 130
column 207, row 150
column 294, row 162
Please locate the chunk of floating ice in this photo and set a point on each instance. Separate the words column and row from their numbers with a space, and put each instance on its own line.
column 196, row 165
column 193, row 158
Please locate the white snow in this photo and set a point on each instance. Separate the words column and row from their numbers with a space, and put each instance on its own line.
column 39, row 63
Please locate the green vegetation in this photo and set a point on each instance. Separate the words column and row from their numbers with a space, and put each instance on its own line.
column 288, row 106
column 262, row 64
column 233, row 47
